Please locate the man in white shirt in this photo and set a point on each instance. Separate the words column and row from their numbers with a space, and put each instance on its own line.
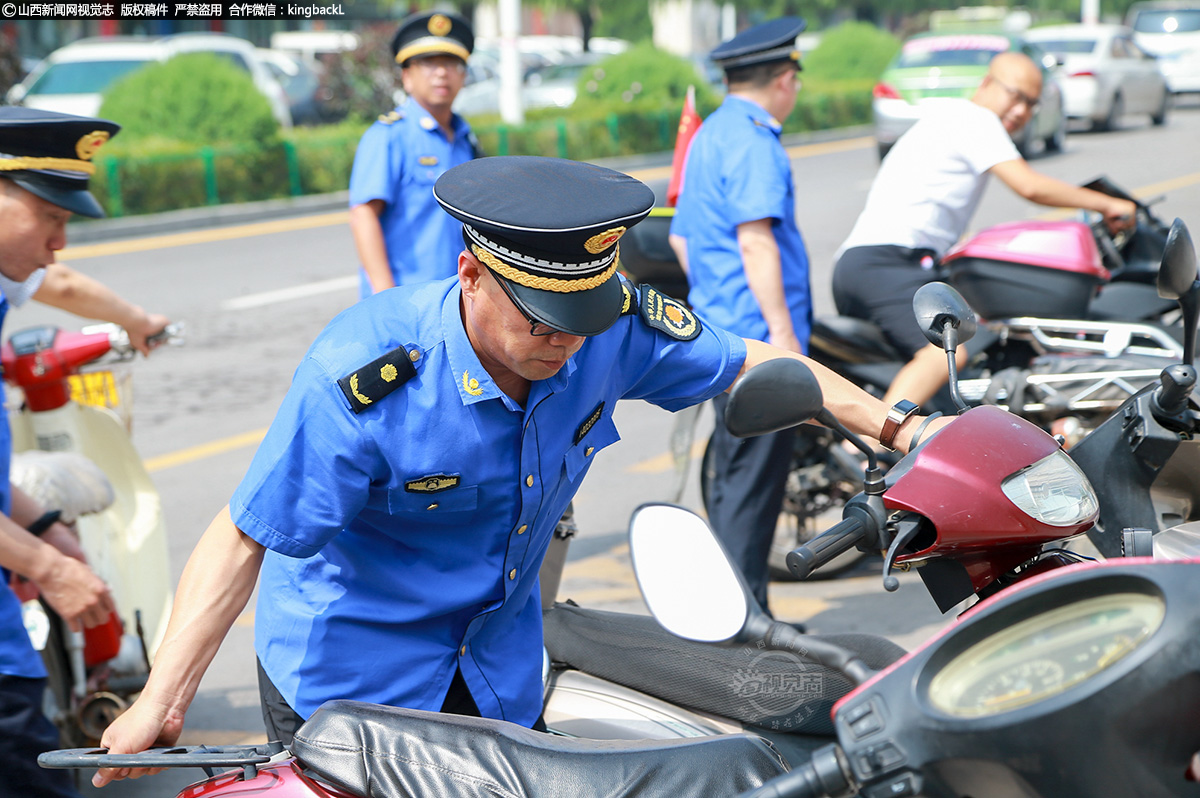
column 923, row 198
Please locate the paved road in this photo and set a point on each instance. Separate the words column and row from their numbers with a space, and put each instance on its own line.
column 254, row 297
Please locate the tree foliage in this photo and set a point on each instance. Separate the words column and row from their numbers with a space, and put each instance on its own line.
column 195, row 97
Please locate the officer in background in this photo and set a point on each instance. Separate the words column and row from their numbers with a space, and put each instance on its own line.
column 399, row 507
column 401, row 233
column 747, row 268
column 45, row 160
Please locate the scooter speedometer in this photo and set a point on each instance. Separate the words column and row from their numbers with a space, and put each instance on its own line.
column 1045, row 655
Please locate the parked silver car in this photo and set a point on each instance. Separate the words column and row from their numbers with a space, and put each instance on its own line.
column 1170, row 30
column 73, row 79
column 1105, row 74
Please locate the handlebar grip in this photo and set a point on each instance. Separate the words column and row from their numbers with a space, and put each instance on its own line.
column 839, row 538
column 1176, row 384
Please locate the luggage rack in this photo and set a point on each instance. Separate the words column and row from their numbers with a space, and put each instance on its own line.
column 1079, row 391
column 205, row 757
column 1055, row 336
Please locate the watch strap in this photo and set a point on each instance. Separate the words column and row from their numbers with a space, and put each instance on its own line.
column 896, row 416
column 44, row 522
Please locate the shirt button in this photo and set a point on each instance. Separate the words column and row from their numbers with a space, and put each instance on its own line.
column 462, row 652
column 512, row 574
column 529, row 480
column 414, row 355
column 521, row 529
column 589, row 451
column 433, row 506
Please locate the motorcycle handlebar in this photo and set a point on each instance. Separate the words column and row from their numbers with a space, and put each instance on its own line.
column 839, row 538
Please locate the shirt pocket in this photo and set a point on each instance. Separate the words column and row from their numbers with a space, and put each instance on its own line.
column 462, row 499
column 603, row 433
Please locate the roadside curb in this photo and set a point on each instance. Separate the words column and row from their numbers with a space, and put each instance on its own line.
column 189, row 219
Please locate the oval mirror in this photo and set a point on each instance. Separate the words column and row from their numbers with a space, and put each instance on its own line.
column 934, row 304
column 1178, row 270
column 687, row 581
column 774, row 395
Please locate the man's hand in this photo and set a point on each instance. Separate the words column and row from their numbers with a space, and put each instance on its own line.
column 142, row 726
column 149, row 325
column 63, row 538
column 74, row 592
column 1120, row 215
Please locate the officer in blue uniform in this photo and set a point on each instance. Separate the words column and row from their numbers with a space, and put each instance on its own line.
column 401, row 233
column 45, row 161
column 747, row 267
column 398, row 510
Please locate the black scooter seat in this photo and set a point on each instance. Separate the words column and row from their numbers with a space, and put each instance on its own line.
column 851, row 340
column 388, row 752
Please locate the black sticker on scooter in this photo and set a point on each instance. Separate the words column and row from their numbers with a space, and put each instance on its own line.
column 370, row 383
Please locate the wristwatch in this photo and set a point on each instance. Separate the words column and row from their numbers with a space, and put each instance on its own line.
column 896, row 416
column 44, row 522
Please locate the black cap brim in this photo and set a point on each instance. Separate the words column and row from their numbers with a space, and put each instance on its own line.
column 75, row 200
column 585, row 313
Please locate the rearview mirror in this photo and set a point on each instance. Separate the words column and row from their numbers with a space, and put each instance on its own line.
column 774, row 395
column 1178, row 270
column 688, row 583
column 934, row 305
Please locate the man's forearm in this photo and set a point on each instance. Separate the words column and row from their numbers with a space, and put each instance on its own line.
column 369, row 241
column 74, row 292
column 764, row 275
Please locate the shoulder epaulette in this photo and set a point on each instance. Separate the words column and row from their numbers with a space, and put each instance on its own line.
column 366, row 385
column 629, row 300
column 668, row 315
column 390, row 117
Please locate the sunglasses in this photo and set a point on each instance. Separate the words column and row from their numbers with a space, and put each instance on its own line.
column 536, row 328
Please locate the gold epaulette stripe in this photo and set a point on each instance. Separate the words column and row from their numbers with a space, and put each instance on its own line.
column 554, row 284
column 65, row 164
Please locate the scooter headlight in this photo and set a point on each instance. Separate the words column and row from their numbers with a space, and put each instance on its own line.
column 1053, row 490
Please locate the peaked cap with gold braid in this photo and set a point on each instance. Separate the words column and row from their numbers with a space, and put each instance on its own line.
column 549, row 228
column 432, row 33
column 50, row 155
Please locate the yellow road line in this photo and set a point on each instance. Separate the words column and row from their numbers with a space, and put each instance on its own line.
column 204, row 236
column 204, row 450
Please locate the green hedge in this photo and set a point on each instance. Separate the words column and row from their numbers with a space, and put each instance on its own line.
column 158, row 175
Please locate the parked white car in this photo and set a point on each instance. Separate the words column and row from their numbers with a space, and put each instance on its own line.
column 1105, row 75
column 1170, row 30
column 73, row 79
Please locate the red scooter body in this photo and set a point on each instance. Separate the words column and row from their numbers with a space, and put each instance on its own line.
column 974, row 522
column 285, row 780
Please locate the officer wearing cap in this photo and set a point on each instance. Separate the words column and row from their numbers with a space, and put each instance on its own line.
column 45, row 161
column 735, row 228
column 401, row 234
column 399, row 507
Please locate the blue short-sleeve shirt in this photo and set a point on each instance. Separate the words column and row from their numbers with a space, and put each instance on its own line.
column 738, row 171
column 405, row 541
column 398, row 160
column 17, row 655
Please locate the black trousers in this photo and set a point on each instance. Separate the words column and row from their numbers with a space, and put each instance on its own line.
column 877, row 283
column 282, row 721
column 24, row 733
column 746, row 481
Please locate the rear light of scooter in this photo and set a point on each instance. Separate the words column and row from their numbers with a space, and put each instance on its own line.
column 885, row 91
column 1084, row 73
column 103, row 642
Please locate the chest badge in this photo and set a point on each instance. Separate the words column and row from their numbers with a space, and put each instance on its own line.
column 589, row 422
column 434, row 483
column 668, row 315
column 428, row 160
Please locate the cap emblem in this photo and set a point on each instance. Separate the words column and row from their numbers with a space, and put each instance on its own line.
column 87, row 146
column 602, row 241
column 439, row 25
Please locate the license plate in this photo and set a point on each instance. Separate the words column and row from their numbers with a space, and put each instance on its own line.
column 95, row 388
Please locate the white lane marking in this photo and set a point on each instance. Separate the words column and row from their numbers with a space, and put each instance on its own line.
column 288, row 294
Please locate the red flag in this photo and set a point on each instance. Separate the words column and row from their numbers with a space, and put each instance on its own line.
column 689, row 123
